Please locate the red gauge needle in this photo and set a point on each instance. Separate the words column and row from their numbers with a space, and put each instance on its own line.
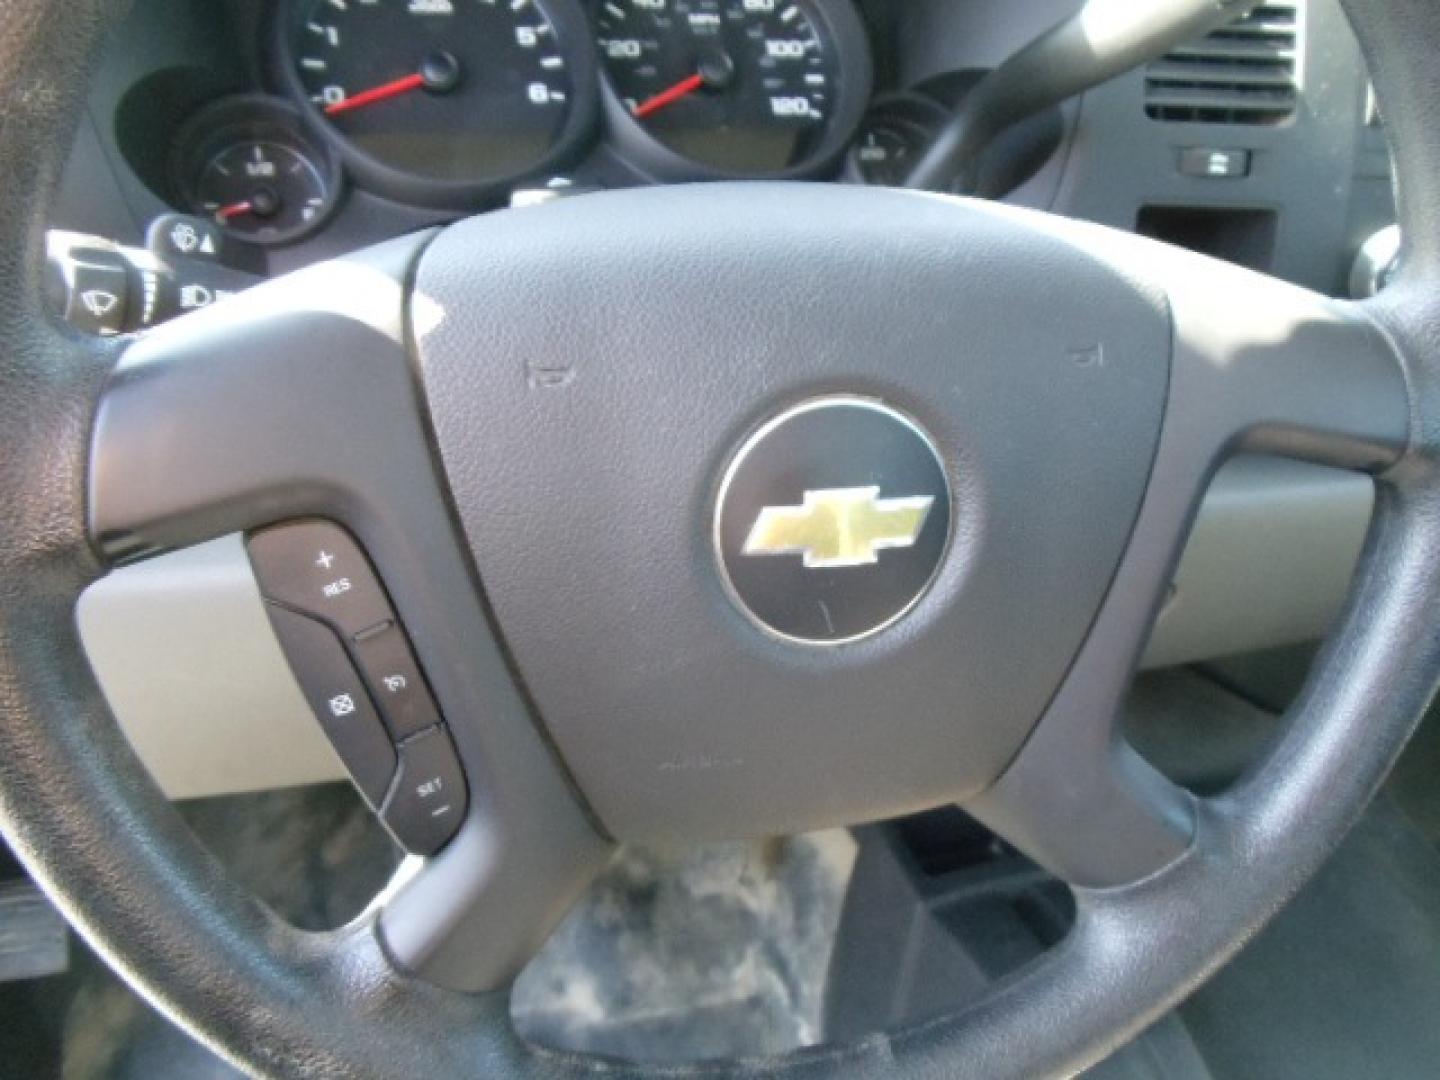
column 382, row 92
column 225, row 213
column 666, row 97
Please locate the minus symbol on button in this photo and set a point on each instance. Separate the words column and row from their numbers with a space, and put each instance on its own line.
column 440, row 810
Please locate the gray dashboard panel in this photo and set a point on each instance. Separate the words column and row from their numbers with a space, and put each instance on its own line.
column 1268, row 560
column 186, row 656
column 187, row 659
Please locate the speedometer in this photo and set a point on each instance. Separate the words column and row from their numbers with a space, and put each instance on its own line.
column 734, row 87
column 443, row 100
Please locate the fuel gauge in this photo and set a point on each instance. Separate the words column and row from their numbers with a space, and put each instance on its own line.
column 262, row 190
column 247, row 164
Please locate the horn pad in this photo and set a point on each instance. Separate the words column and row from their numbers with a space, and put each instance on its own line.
column 809, row 555
column 597, row 372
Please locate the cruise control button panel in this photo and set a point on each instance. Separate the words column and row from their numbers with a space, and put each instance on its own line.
column 352, row 657
column 428, row 801
column 337, row 696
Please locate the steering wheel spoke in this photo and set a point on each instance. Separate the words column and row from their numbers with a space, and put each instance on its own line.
column 289, row 399
column 1264, row 366
column 1258, row 366
column 295, row 400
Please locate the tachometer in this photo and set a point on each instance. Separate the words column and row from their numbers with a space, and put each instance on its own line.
column 734, row 87
column 443, row 100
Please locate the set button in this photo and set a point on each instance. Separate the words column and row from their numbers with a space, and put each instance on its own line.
column 428, row 801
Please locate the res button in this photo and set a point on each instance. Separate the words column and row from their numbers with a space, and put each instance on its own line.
column 315, row 567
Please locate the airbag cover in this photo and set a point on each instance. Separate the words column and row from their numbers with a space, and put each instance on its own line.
column 592, row 368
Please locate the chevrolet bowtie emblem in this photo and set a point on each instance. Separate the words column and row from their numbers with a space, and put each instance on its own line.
column 838, row 527
column 786, row 541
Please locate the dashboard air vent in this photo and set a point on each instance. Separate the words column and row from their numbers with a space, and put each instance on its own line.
column 1246, row 72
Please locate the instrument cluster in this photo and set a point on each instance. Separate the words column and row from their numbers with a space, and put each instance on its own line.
column 453, row 104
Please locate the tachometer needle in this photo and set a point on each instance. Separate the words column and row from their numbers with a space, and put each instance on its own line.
column 382, row 92
column 225, row 213
column 666, row 97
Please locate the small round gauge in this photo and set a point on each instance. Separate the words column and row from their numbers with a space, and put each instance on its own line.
column 261, row 189
column 734, row 87
column 246, row 163
column 893, row 136
column 443, row 100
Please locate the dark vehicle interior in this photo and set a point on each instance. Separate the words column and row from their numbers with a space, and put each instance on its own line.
column 767, row 538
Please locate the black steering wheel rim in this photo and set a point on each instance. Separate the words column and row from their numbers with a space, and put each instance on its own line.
column 79, row 810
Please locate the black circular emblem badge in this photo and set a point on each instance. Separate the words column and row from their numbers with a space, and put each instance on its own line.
column 832, row 520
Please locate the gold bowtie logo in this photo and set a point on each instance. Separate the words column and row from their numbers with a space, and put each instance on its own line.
column 838, row 526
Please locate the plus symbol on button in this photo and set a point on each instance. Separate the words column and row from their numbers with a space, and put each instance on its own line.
column 325, row 559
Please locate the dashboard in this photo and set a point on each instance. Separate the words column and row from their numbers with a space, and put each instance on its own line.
column 316, row 125
column 306, row 128
column 454, row 104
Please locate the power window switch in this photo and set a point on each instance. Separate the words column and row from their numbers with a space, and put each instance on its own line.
column 428, row 802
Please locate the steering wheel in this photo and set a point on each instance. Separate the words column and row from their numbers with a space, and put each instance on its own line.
column 557, row 433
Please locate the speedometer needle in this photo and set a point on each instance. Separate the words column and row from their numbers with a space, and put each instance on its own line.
column 383, row 92
column 666, row 97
